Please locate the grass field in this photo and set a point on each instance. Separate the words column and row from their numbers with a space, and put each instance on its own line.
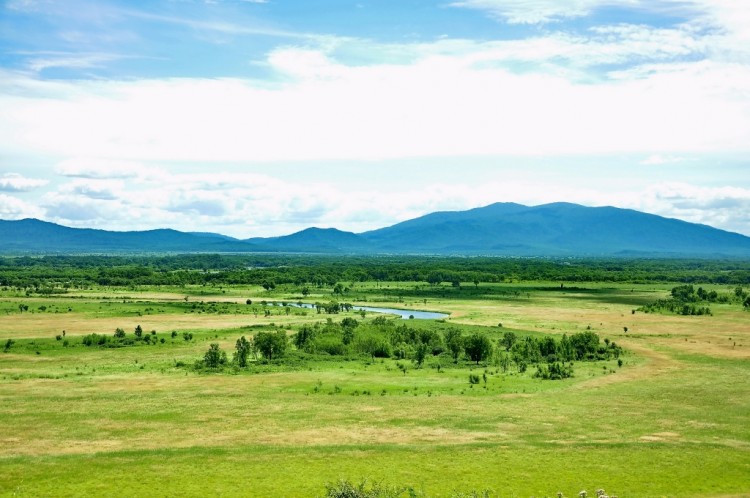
column 674, row 420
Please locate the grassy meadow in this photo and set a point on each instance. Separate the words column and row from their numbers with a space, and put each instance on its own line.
column 672, row 420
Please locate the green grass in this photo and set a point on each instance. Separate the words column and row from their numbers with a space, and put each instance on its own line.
column 673, row 421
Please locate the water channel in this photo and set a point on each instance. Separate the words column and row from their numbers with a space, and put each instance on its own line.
column 404, row 314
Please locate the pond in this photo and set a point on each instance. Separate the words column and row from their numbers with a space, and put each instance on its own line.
column 404, row 314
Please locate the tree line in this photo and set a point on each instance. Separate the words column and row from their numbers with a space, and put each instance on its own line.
column 51, row 274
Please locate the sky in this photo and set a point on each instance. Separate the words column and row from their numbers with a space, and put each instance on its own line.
column 264, row 117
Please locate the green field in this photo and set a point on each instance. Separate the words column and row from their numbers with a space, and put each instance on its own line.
column 672, row 420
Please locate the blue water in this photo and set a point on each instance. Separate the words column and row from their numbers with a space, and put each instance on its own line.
column 404, row 314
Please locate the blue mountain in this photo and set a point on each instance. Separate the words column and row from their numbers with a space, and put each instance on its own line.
column 503, row 229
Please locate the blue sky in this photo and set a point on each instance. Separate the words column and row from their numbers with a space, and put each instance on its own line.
column 256, row 118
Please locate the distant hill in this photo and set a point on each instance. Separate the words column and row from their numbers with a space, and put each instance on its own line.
column 315, row 239
column 559, row 229
column 506, row 229
column 36, row 236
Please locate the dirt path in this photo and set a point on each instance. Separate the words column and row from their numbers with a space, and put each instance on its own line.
column 657, row 363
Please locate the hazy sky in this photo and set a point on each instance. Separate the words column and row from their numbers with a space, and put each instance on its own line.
column 263, row 117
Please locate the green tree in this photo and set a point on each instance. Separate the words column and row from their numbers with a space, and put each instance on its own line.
column 214, row 357
column 420, row 354
column 241, row 351
column 304, row 339
column 434, row 278
column 271, row 345
column 508, row 340
column 478, row 347
column 504, row 359
column 138, row 331
column 119, row 333
column 269, row 285
column 454, row 342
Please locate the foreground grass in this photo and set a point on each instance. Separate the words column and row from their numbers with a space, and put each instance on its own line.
column 438, row 470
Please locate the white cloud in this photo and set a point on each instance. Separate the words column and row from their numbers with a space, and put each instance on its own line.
column 539, row 11
column 437, row 106
column 13, row 182
column 659, row 159
column 723, row 207
column 102, row 168
column 13, row 208
column 247, row 205
column 45, row 60
column 105, row 190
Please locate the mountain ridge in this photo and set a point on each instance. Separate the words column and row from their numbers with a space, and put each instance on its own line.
column 558, row 229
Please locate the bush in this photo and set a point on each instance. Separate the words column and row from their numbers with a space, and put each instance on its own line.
column 214, row 357
column 95, row 340
column 346, row 489
column 554, row 371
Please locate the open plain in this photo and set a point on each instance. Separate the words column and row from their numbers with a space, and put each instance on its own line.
column 669, row 419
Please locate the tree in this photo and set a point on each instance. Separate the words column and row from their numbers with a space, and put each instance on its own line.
column 269, row 285
column 242, row 350
column 420, row 354
column 455, row 343
column 119, row 333
column 338, row 289
column 478, row 347
column 565, row 349
column 303, row 339
column 434, row 278
column 214, row 357
column 138, row 331
column 504, row 361
column 584, row 343
column 508, row 340
column 271, row 345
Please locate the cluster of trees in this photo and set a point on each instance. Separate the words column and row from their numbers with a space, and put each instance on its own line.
column 269, row 345
column 687, row 300
column 51, row 274
column 121, row 339
column 384, row 338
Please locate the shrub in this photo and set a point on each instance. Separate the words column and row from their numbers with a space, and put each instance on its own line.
column 346, row 489
column 214, row 357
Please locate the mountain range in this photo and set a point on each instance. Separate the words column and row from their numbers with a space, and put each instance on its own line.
column 503, row 229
